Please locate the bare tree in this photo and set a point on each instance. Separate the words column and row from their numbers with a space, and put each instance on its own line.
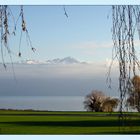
column 110, row 104
column 94, row 100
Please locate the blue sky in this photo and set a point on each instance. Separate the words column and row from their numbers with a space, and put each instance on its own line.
column 85, row 35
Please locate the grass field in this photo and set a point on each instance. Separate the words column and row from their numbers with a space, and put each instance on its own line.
column 37, row 122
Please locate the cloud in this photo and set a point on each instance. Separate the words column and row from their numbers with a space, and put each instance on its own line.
column 93, row 44
column 93, row 48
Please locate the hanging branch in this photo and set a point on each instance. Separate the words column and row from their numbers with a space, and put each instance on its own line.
column 4, row 28
column 5, row 15
column 65, row 12
column 126, row 20
column 24, row 29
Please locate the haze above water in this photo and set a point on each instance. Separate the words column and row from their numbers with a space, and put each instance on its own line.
column 57, row 87
column 56, row 80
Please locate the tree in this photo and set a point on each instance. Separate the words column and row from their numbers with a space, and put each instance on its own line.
column 98, row 102
column 94, row 100
column 134, row 97
column 110, row 104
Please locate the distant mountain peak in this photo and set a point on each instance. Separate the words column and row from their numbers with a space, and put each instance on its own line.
column 66, row 60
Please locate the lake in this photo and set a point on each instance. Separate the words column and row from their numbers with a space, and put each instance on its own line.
column 50, row 103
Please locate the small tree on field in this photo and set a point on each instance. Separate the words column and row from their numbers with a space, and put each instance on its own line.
column 94, row 100
column 110, row 104
column 98, row 102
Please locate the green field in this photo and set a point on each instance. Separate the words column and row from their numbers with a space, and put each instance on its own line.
column 37, row 122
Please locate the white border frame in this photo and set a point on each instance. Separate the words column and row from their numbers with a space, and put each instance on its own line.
column 69, row 2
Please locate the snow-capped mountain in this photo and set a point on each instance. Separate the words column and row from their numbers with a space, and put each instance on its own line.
column 32, row 62
column 66, row 60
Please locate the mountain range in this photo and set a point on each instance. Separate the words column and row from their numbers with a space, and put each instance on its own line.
column 66, row 60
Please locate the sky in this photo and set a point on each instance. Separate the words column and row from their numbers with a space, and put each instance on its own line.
column 84, row 35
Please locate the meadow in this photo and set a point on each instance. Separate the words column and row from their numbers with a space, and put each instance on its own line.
column 43, row 122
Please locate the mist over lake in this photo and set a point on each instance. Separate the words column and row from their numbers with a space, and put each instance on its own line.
column 56, row 80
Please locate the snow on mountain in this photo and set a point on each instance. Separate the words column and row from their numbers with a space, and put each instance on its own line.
column 66, row 60
column 32, row 62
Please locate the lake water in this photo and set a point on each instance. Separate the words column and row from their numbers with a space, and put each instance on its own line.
column 50, row 103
